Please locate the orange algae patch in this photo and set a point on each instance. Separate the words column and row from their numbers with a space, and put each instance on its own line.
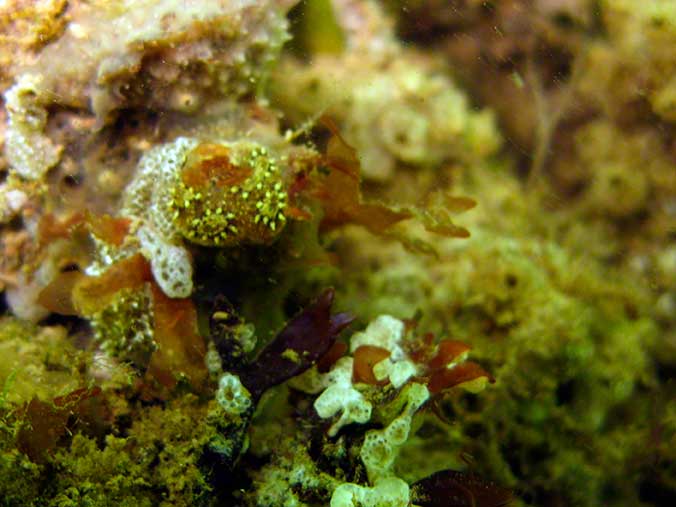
column 112, row 230
column 209, row 163
column 94, row 293
column 51, row 228
column 74, row 293
column 180, row 348
column 365, row 357
column 298, row 214
column 341, row 195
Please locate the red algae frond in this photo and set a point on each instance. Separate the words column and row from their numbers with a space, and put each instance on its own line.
column 180, row 347
column 365, row 358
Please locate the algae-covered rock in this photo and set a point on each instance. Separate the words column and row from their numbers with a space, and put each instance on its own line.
column 37, row 362
column 156, row 464
column 567, row 353
column 161, row 54
column 394, row 105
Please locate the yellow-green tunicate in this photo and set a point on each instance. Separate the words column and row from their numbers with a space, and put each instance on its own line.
column 228, row 194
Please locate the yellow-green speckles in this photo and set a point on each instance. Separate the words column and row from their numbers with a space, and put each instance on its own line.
column 125, row 328
column 229, row 193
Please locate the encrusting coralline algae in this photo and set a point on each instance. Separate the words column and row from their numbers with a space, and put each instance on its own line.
column 232, row 271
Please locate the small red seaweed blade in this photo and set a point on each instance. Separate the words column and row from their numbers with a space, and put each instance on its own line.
column 303, row 341
column 44, row 424
column 450, row 488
